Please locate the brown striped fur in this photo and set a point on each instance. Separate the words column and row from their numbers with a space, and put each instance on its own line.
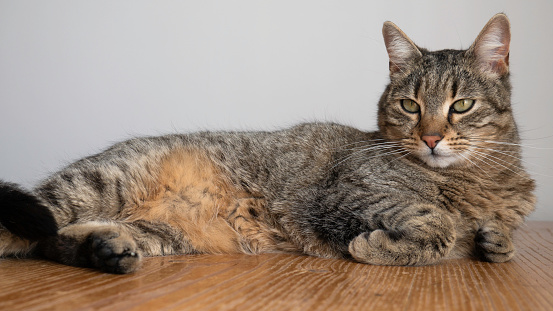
column 192, row 195
column 437, row 180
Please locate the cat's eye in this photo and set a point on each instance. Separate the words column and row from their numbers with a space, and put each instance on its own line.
column 462, row 105
column 410, row 106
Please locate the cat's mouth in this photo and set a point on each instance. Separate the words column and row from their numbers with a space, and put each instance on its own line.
column 439, row 158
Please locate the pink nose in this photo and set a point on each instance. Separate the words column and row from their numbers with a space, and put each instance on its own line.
column 431, row 140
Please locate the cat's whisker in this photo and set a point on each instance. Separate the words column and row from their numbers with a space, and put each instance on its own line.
column 485, row 139
column 478, row 166
column 539, row 138
column 360, row 142
column 514, row 157
column 395, row 159
column 510, row 144
column 487, row 157
column 482, row 160
column 497, row 158
column 505, row 153
column 388, row 153
column 523, row 138
column 403, row 156
column 382, row 141
column 358, row 151
column 346, row 158
column 529, row 171
column 373, row 147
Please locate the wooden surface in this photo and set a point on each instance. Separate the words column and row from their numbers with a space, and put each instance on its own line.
column 288, row 282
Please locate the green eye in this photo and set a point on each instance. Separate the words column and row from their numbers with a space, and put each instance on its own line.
column 462, row 105
column 410, row 106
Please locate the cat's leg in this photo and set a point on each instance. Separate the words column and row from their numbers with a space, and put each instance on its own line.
column 107, row 246
column 416, row 235
column 114, row 247
column 494, row 242
column 12, row 245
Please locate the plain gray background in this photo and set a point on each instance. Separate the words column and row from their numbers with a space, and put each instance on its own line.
column 76, row 76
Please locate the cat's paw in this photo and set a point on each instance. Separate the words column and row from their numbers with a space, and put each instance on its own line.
column 376, row 248
column 114, row 251
column 494, row 244
column 415, row 247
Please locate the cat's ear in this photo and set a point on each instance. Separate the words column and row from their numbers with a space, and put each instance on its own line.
column 401, row 49
column 491, row 47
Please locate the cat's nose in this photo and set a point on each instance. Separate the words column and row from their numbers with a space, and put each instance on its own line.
column 431, row 140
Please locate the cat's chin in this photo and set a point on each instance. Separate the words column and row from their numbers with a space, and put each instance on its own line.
column 440, row 161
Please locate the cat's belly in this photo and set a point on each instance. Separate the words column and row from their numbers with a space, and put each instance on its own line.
column 193, row 196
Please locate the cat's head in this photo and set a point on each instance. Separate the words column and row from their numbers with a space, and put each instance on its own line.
column 447, row 107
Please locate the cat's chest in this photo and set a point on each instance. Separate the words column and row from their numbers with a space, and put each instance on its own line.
column 474, row 201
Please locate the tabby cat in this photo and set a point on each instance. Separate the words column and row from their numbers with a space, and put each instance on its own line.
column 441, row 178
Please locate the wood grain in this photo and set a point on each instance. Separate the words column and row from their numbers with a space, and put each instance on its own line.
column 289, row 282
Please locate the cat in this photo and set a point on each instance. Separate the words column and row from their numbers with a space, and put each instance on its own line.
column 441, row 178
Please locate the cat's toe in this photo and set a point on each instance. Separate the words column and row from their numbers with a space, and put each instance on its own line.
column 114, row 252
column 372, row 248
column 493, row 245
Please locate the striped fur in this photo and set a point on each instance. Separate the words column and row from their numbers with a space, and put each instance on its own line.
column 322, row 189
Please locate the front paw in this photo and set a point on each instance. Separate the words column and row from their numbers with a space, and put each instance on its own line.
column 494, row 244
column 382, row 247
column 372, row 248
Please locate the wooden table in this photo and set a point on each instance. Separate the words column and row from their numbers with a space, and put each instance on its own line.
column 289, row 282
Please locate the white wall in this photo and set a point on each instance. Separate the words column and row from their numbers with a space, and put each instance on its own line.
column 76, row 76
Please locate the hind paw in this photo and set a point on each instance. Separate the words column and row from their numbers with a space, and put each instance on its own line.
column 114, row 252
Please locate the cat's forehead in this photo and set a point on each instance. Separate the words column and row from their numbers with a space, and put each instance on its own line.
column 442, row 61
column 437, row 76
column 433, row 67
column 443, row 55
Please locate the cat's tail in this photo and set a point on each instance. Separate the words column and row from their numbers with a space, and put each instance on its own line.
column 23, row 220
